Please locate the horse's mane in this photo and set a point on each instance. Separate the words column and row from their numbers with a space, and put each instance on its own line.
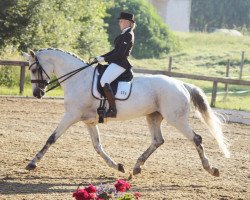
column 56, row 49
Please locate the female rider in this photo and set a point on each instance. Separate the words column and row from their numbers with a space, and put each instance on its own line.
column 117, row 59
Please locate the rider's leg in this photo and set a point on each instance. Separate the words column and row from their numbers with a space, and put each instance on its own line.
column 111, row 73
column 111, row 99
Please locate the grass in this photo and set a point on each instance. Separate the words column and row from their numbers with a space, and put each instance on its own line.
column 234, row 101
column 200, row 54
column 208, row 54
column 238, row 97
column 58, row 92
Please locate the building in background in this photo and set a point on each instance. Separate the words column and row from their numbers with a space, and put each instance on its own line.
column 175, row 13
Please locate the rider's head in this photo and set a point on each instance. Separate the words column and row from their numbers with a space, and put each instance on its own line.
column 126, row 20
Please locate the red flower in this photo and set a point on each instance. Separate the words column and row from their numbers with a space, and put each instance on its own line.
column 85, row 194
column 122, row 186
column 91, row 189
column 92, row 195
column 137, row 195
column 81, row 194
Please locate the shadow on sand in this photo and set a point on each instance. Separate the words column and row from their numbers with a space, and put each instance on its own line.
column 50, row 185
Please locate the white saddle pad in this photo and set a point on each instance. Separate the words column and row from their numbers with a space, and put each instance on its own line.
column 123, row 89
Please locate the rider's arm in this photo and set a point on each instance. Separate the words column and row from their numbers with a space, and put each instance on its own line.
column 109, row 53
column 120, row 51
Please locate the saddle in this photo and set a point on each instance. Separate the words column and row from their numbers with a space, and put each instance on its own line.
column 121, row 87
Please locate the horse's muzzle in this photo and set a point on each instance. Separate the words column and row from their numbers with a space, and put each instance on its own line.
column 38, row 93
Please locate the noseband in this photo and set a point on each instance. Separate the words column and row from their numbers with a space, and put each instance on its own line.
column 40, row 80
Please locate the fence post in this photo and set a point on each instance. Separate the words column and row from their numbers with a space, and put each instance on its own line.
column 226, row 84
column 22, row 78
column 214, row 93
column 170, row 64
column 241, row 64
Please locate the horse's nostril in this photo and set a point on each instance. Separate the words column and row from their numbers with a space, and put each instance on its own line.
column 38, row 93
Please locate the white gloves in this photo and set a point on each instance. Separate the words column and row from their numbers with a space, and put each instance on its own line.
column 100, row 59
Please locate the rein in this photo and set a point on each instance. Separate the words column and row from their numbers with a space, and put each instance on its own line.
column 62, row 78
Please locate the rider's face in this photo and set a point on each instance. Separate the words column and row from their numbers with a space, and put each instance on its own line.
column 123, row 23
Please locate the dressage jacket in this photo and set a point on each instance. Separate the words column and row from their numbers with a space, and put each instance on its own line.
column 123, row 46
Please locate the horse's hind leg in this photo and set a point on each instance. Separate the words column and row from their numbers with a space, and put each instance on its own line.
column 154, row 122
column 197, row 141
column 205, row 163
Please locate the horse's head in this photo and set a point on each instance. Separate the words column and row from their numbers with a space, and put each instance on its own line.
column 39, row 73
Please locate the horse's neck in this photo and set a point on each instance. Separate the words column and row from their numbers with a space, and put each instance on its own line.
column 80, row 79
column 66, row 65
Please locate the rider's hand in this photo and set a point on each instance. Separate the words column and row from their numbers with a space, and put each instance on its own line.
column 99, row 59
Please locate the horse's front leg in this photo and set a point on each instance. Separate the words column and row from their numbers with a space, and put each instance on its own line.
column 67, row 120
column 94, row 133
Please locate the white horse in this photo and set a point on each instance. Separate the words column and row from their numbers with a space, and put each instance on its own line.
column 157, row 97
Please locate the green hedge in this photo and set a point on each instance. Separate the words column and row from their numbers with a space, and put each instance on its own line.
column 69, row 24
column 8, row 76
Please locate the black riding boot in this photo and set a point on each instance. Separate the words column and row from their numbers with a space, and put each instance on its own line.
column 111, row 99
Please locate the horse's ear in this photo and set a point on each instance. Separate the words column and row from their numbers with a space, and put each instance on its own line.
column 32, row 53
column 26, row 55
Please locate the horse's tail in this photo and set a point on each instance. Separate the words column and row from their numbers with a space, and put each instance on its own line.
column 211, row 120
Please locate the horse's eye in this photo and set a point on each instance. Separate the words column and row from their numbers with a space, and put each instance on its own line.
column 34, row 71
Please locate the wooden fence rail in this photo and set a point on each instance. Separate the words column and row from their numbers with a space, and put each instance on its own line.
column 22, row 64
column 215, row 80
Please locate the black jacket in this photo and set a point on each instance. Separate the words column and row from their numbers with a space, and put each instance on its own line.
column 123, row 46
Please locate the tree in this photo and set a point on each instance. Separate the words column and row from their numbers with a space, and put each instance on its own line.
column 93, row 38
column 68, row 24
column 79, row 25
column 219, row 14
column 15, row 16
column 153, row 37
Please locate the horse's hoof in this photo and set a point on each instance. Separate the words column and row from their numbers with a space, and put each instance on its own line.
column 121, row 168
column 216, row 172
column 130, row 176
column 136, row 171
column 31, row 166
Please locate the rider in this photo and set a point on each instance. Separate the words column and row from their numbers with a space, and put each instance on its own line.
column 117, row 58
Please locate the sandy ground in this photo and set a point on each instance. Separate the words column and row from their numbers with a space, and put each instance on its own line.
column 174, row 171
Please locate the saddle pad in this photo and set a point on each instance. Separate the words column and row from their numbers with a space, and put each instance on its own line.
column 123, row 89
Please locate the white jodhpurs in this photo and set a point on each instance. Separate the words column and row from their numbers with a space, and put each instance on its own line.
column 111, row 73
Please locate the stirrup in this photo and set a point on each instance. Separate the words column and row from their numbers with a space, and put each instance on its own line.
column 112, row 112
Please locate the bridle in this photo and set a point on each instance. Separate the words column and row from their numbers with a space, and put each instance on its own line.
column 40, row 80
column 43, row 83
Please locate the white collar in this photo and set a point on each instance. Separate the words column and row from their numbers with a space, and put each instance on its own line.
column 124, row 30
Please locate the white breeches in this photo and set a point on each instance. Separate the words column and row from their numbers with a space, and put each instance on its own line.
column 111, row 73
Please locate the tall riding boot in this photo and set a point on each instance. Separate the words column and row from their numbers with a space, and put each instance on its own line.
column 111, row 99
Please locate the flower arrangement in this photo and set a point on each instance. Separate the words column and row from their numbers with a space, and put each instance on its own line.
column 105, row 192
